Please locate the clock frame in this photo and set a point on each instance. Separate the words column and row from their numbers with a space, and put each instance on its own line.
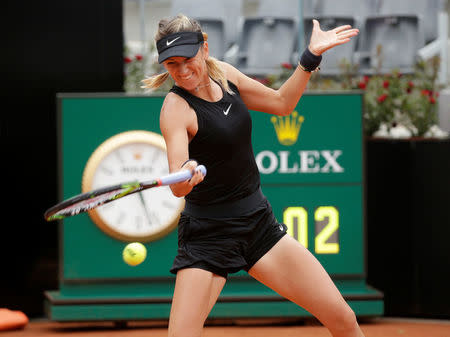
column 93, row 164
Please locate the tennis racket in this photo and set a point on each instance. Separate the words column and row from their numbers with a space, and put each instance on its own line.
column 89, row 200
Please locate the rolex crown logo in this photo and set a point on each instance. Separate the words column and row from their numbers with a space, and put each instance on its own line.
column 287, row 128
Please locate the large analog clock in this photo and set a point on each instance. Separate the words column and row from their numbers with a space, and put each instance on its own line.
column 129, row 156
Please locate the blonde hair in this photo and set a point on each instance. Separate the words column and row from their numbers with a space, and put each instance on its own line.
column 181, row 23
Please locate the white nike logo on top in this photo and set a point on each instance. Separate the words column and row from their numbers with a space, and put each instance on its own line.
column 227, row 110
column 170, row 42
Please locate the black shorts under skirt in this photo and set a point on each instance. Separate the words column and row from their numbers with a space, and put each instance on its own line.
column 227, row 238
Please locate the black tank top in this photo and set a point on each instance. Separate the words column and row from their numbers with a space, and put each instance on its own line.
column 223, row 144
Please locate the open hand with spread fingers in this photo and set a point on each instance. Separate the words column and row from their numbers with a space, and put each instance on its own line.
column 321, row 41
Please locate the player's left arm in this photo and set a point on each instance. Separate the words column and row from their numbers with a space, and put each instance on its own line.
column 283, row 101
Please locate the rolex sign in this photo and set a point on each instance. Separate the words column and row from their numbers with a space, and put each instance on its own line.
column 319, row 142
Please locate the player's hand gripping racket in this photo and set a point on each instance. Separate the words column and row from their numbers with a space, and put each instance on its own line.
column 89, row 200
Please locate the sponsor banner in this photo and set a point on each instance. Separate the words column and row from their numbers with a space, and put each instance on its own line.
column 320, row 142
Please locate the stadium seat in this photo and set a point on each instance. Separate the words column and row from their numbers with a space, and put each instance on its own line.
column 265, row 43
column 398, row 37
column 427, row 11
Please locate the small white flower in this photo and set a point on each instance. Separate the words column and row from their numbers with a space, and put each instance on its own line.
column 400, row 131
column 382, row 131
column 436, row 132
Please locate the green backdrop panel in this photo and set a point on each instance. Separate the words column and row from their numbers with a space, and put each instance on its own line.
column 310, row 159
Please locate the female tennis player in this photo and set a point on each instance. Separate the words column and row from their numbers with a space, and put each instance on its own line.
column 228, row 224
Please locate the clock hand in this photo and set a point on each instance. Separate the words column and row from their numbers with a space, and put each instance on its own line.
column 144, row 205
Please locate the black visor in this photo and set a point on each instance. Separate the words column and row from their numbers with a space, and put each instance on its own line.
column 184, row 44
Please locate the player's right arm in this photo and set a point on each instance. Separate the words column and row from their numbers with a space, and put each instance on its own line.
column 178, row 123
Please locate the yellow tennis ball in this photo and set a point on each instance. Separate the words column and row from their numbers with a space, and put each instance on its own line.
column 134, row 253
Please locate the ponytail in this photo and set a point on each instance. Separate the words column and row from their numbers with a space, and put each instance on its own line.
column 155, row 81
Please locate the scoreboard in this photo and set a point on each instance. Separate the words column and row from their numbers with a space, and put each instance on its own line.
column 311, row 167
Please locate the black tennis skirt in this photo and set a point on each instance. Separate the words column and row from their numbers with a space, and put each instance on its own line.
column 226, row 238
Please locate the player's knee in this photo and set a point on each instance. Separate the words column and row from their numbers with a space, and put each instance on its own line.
column 349, row 319
column 344, row 320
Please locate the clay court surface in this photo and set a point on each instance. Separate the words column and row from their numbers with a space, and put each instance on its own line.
column 380, row 327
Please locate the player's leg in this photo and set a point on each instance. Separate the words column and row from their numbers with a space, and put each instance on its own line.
column 196, row 292
column 293, row 272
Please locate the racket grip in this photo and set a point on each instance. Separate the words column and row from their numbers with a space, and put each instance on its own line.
column 177, row 177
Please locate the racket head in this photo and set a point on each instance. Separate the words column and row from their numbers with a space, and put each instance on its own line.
column 84, row 202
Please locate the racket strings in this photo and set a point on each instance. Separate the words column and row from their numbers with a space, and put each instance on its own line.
column 95, row 200
column 88, row 204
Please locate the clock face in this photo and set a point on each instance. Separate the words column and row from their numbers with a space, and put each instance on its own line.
column 126, row 157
